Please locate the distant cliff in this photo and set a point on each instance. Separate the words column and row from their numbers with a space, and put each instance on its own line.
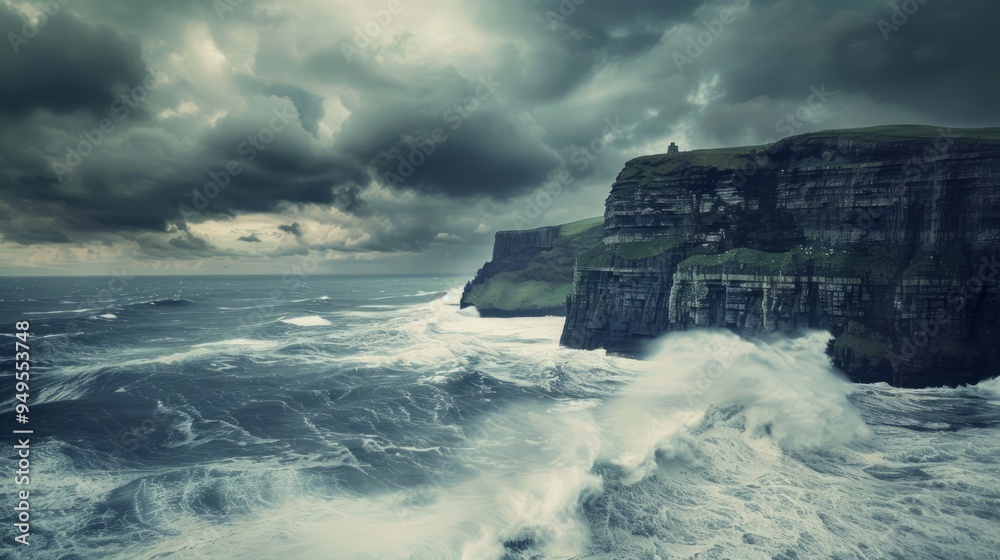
column 887, row 237
column 531, row 272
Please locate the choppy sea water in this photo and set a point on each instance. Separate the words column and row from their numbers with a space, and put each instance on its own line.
column 370, row 418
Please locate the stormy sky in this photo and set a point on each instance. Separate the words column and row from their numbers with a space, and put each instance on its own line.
column 244, row 136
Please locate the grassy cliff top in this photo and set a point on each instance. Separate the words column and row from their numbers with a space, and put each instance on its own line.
column 536, row 280
column 876, row 264
column 721, row 158
column 905, row 132
column 730, row 158
column 578, row 227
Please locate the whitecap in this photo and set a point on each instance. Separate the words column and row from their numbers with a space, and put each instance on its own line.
column 230, row 346
column 311, row 321
column 990, row 385
column 58, row 312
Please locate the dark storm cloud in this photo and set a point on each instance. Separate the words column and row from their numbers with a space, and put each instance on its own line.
column 939, row 52
column 64, row 65
column 450, row 130
column 285, row 169
column 184, row 245
column 569, row 42
column 460, row 136
column 252, row 238
column 292, row 228
column 491, row 154
column 618, row 28
column 143, row 188
column 28, row 229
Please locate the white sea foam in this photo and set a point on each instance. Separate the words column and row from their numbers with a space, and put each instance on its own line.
column 221, row 347
column 729, row 432
column 311, row 321
column 714, row 447
column 992, row 385
column 321, row 298
column 60, row 312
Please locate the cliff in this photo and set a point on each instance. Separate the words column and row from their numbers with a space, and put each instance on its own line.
column 531, row 272
column 887, row 237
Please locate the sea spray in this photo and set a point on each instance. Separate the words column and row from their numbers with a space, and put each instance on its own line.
column 408, row 429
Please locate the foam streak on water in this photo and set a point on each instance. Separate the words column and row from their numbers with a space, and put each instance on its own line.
column 326, row 426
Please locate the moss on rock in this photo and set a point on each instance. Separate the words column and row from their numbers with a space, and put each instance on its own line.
column 635, row 250
column 771, row 263
column 875, row 264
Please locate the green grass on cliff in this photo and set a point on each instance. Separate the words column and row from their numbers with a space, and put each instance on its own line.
column 876, row 264
column 904, row 132
column 509, row 291
column 598, row 256
column 576, row 228
column 771, row 263
column 643, row 249
column 720, row 158
column 601, row 255
column 542, row 281
column 735, row 158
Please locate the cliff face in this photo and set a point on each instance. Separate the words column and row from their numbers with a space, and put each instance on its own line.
column 507, row 244
column 531, row 271
column 886, row 237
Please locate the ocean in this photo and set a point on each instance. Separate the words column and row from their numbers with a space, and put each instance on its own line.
column 371, row 418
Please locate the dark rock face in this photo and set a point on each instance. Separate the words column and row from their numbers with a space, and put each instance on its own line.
column 886, row 237
column 508, row 243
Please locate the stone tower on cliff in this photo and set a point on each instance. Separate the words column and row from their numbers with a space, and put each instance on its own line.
column 673, row 149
